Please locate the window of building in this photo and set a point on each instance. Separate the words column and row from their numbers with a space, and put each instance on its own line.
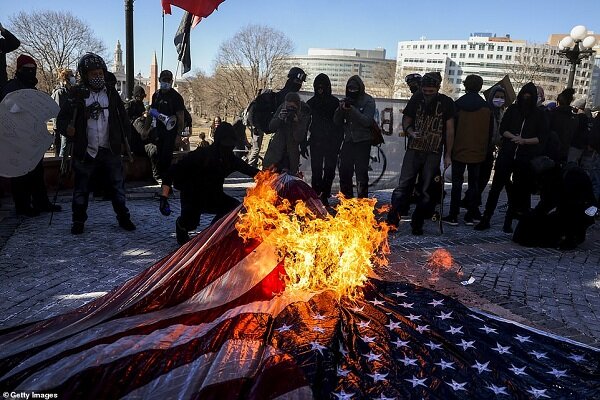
column 451, row 72
column 462, row 55
column 454, row 46
column 437, row 46
column 463, row 46
column 491, row 47
column 458, row 81
column 498, row 56
column 429, row 47
column 445, row 47
column 414, row 46
column 500, row 48
column 471, row 55
column 451, row 80
column 452, row 55
column 479, row 55
column 422, row 47
column 490, row 56
column 518, row 49
column 481, row 47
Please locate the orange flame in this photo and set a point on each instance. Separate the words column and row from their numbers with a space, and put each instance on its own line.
column 320, row 251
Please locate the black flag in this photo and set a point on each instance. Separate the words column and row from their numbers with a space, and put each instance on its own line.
column 182, row 42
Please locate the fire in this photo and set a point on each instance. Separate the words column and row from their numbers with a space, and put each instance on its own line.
column 320, row 251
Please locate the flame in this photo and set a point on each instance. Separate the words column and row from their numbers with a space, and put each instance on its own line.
column 320, row 251
column 440, row 259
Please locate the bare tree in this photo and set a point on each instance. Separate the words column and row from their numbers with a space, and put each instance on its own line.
column 55, row 39
column 386, row 81
column 247, row 62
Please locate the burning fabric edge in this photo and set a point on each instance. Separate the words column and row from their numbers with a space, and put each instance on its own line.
column 205, row 322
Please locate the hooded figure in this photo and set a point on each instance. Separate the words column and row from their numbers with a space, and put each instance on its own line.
column 325, row 137
column 356, row 114
column 200, row 176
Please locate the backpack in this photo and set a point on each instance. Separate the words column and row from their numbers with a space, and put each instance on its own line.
column 259, row 112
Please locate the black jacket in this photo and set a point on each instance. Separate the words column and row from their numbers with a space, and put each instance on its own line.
column 323, row 132
column 7, row 44
column 12, row 86
column 204, row 170
column 118, row 124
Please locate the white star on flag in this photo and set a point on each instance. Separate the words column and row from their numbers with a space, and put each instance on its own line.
column 433, row 346
column 318, row 329
column 399, row 294
column 537, row 393
column 456, row 386
column 408, row 361
column 364, row 324
column 436, row 303
column 518, row 371
column 406, row 305
column 454, row 330
column 400, row 343
column 341, row 395
column 343, row 349
column 538, row 355
column 318, row 316
column 444, row 364
column 342, row 371
column 466, row 344
column 357, row 310
column 558, row 373
column 368, row 339
column 393, row 325
column 443, row 316
column 501, row 349
column 284, row 328
column 376, row 302
column 481, row 367
column 497, row 389
column 378, row 377
column 413, row 317
column 522, row 339
column 382, row 397
column 422, row 328
column 416, row 382
column 317, row 346
column 372, row 356
column 488, row 330
column 576, row 357
column 476, row 317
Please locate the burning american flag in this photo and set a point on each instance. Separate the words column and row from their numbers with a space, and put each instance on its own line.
column 278, row 301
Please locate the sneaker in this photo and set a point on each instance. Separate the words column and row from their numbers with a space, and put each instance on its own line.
column 405, row 218
column 417, row 230
column 77, row 228
column 126, row 224
column 450, row 220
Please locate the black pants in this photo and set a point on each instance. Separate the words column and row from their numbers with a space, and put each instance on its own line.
column 152, row 152
column 195, row 203
column 29, row 190
column 323, row 160
column 501, row 180
column 485, row 172
column 106, row 164
column 472, row 195
column 164, row 147
column 354, row 159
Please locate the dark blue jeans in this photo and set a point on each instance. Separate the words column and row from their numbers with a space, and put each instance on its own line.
column 354, row 159
column 426, row 165
column 105, row 164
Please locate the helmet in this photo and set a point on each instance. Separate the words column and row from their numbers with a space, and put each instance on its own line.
column 88, row 62
column 412, row 77
column 297, row 73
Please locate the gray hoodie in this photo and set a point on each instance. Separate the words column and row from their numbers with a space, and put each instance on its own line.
column 358, row 120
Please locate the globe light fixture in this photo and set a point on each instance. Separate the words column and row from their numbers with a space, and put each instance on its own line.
column 576, row 47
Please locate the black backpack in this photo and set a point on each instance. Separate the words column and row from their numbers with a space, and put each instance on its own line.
column 259, row 112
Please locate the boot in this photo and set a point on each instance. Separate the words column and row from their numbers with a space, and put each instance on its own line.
column 484, row 224
column 507, row 227
column 181, row 233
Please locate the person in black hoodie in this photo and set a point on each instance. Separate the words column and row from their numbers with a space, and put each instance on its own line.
column 523, row 127
column 200, row 176
column 8, row 43
column 325, row 137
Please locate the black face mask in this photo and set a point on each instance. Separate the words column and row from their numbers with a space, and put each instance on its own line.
column 27, row 76
column 295, row 87
column 353, row 94
column 527, row 105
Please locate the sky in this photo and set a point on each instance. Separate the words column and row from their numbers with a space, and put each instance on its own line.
column 346, row 24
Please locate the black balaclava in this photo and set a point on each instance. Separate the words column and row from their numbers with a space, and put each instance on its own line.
column 527, row 106
column 27, row 76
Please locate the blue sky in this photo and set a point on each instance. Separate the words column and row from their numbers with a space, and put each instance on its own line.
column 322, row 23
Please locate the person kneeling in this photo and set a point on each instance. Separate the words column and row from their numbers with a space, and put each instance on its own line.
column 200, row 176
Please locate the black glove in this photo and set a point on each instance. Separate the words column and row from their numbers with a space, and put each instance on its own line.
column 304, row 149
column 164, row 207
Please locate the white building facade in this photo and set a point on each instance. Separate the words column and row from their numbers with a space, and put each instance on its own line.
column 340, row 64
column 492, row 58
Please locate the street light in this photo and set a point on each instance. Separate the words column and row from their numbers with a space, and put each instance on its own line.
column 576, row 47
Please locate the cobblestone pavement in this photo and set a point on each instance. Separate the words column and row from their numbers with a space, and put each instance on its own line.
column 45, row 271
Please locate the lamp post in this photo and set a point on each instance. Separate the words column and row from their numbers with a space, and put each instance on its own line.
column 576, row 47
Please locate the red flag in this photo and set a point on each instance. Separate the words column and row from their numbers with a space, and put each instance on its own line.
column 198, row 8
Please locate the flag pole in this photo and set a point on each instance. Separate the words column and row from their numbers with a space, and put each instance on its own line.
column 162, row 45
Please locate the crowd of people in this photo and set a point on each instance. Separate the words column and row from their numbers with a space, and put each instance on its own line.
column 531, row 148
